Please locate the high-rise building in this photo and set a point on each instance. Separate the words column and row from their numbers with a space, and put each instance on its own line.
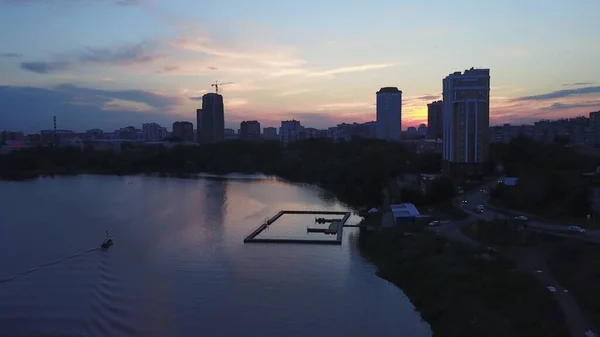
column 291, row 131
column 389, row 114
column 152, row 132
column 183, row 131
column 595, row 127
column 250, row 130
column 435, row 122
column 211, row 119
column 270, row 133
column 466, row 122
column 198, row 118
column 164, row 134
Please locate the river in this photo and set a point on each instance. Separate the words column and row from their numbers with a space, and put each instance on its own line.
column 179, row 266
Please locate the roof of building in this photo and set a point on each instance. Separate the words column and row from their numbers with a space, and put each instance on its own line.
column 509, row 181
column 404, row 210
column 389, row 90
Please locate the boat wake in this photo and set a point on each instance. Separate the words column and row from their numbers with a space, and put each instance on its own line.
column 110, row 313
column 47, row 265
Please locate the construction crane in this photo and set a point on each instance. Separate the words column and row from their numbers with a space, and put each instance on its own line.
column 217, row 84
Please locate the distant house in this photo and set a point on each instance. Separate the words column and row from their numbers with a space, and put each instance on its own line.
column 510, row 181
column 404, row 213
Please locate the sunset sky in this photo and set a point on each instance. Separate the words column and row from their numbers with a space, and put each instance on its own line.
column 113, row 63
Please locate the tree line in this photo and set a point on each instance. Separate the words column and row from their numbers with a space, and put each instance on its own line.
column 550, row 178
column 356, row 171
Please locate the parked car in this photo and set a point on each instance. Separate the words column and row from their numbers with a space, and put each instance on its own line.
column 576, row 230
column 521, row 217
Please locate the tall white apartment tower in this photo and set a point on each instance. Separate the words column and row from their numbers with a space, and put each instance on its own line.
column 466, row 122
column 389, row 114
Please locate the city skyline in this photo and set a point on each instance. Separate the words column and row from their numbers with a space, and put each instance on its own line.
column 156, row 58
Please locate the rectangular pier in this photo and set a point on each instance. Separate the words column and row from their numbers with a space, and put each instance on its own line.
column 338, row 241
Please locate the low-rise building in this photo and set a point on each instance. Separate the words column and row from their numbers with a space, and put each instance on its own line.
column 405, row 213
column 510, row 181
column 430, row 145
column 11, row 136
column 57, row 136
column 229, row 134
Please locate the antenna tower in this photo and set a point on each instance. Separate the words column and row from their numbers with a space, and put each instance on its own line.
column 54, row 132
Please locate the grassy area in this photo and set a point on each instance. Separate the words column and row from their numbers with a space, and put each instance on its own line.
column 506, row 233
column 462, row 292
column 576, row 266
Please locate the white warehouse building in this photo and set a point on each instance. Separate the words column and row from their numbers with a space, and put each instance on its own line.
column 405, row 213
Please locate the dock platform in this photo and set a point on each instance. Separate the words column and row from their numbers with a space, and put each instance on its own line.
column 252, row 237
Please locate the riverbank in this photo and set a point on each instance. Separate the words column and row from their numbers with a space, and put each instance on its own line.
column 464, row 292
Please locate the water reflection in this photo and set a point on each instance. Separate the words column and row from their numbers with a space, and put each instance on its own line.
column 215, row 204
column 179, row 266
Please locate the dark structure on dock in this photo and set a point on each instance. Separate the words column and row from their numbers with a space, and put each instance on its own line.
column 324, row 220
column 340, row 225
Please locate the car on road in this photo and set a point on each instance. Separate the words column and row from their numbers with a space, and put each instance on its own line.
column 434, row 223
column 576, row 230
column 464, row 201
column 479, row 208
column 521, row 217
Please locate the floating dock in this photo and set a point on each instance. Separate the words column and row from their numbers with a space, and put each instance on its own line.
column 339, row 235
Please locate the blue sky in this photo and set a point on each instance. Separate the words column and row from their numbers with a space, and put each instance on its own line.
column 101, row 63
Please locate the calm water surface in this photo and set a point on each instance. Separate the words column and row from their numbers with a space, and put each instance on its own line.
column 179, row 266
